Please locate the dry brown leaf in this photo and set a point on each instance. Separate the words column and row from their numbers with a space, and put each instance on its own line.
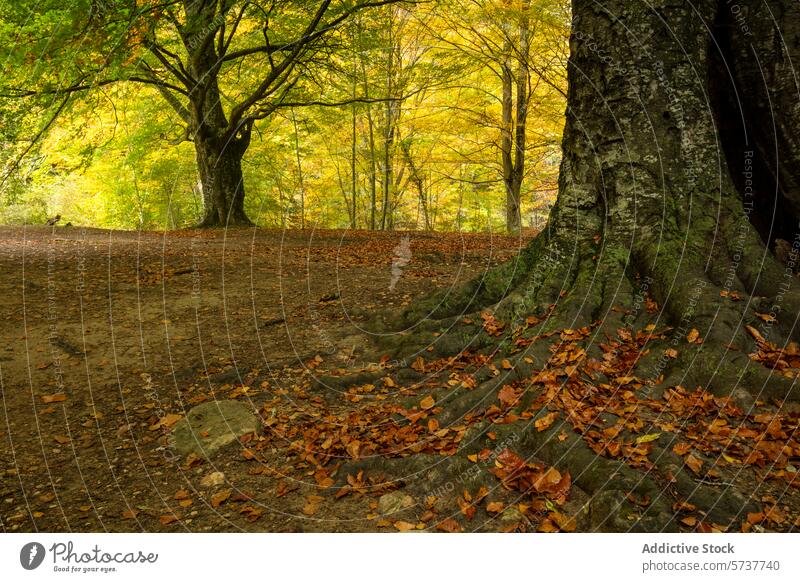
column 51, row 398
column 546, row 421
column 694, row 463
column 168, row 519
column 563, row 521
column 449, row 525
column 495, row 507
column 219, row 498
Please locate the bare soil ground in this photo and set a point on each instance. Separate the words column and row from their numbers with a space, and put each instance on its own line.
column 106, row 337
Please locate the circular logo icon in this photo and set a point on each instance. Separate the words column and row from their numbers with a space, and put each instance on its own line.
column 31, row 555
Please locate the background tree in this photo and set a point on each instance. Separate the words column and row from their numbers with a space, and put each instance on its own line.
column 222, row 65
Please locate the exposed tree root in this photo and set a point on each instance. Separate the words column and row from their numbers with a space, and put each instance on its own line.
column 546, row 301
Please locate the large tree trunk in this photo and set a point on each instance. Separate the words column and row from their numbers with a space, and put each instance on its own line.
column 666, row 193
column 219, row 148
column 222, row 182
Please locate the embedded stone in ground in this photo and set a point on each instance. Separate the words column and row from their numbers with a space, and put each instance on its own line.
column 209, row 427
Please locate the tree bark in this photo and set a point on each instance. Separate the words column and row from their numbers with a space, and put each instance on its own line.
column 514, row 119
column 219, row 148
column 658, row 200
column 220, row 166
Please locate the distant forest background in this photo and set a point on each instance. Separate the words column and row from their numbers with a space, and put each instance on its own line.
column 404, row 116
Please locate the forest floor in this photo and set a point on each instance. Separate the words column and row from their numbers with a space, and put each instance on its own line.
column 108, row 338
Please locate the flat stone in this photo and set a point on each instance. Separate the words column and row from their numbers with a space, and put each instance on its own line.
column 209, row 427
column 393, row 502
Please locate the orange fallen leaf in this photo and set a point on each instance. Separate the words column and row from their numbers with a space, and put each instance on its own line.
column 694, row 463
column 427, row 403
column 546, row 421
column 449, row 525
column 681, row 448
column 130, row 514
column 51, row 398
column 495, row 506
column 219, row 498
column 548, row 526
column 563, row 521
column 168, row 519
column 507, row 395
column 404, row 526
column 754, row 518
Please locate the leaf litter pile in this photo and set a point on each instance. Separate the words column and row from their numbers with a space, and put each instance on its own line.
column 715, row 442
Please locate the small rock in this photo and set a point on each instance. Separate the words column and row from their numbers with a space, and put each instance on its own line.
column 213, row 479
column 211, row 426
column 394, row 502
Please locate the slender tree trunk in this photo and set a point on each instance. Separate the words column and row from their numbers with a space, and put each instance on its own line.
column 507, row 146
column 514, row 119
column 521, row 121
column 373, row 174
column 353, row 174
column 300, row 181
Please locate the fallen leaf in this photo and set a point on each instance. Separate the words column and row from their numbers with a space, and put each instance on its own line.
column 219, row 498
column 648, row 438
column 449, row 525
column 507, row 395
column 168, row 519
column 130, row 514
column 546, row 421
column 681, row 448
column 427, row 403
column 51, row 398
column 564, row 522
column 694, row 463
column 495, row 507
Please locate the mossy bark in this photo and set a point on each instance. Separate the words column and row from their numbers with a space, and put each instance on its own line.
column 650, row 201
column 656, row 202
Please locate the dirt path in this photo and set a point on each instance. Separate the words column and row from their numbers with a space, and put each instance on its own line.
column 106, row 334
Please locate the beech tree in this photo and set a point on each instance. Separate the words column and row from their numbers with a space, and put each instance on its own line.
column 220, row 65
column 679, row 174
